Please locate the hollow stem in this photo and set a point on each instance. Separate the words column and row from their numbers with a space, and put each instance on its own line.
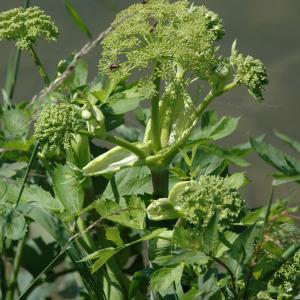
column 160, row 183
column 15, row 270
column 40, row 66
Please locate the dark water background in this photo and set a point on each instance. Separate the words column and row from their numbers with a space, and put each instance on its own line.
column 267, row 29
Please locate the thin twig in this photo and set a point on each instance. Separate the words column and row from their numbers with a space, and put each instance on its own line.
column 60, row 79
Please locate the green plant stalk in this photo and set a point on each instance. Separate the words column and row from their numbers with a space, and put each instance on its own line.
column 15, row 270
column 17, row 57
column 164, row 157
column 40, row 66
column 21, row 243
column 117, row 141
column 167, row 110
column 32, row 157
column 155, row 123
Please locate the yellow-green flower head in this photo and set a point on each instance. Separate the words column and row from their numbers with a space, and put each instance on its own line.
column 250, row 72
column 200, row 199
column 27, row 26
column 288, row 276
column 56, row 125
column 162, row 32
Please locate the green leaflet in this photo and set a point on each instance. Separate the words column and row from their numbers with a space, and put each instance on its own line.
column 10, row 170
column 13, row 225
column 67, row 189
column 126, row 101
column 278, row 159
column 212, row 132
column 131, row 214
column 162, row 279
column 129, row 181
column 15, row 123
column 289, row 141
column 114, row 160
column 31, row 194
column 103, row 255
column 236, row 180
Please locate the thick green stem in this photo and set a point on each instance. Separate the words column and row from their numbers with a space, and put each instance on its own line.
column 160, row 183
column 40, row 66
column 15, row 270
column 192, row 122
column 123, row 143
column 155, row 123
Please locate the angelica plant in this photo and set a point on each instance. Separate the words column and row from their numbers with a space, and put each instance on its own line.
column 150, row 211
column 172, row 45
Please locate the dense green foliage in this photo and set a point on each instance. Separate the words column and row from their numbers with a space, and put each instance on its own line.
column 151, row 211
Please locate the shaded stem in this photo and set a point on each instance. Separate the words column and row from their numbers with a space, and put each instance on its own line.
column 160, row 183
column 40, row 66
column 15, row 270
column 155, row 123
column 220, row 262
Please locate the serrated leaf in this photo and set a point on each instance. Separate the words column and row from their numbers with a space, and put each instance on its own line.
column 127, row 100
column 113, row 234
column 14, row 225
column 67, row 189
column 244, row 246
column 133, row 181
column 15, row 123
column 236, row 180
column 77, row 19
column 10, row 170
column 289, row 141
column 162, row 279
column 224, row 127
column 131, row 214
column 281, row 161
column 226, row 155
column 211, row 235
column 32, row 194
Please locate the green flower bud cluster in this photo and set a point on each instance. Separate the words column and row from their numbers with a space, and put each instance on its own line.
column 164, row 33
column 27, row 26
column 56, row 126
column 251, row 72
column 200, row 199
column 288, row 276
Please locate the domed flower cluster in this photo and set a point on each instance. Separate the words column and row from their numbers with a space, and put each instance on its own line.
column 251, row 72
column 56, row 125
column 27, row 26
column 160, row 32
column 200, row 199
